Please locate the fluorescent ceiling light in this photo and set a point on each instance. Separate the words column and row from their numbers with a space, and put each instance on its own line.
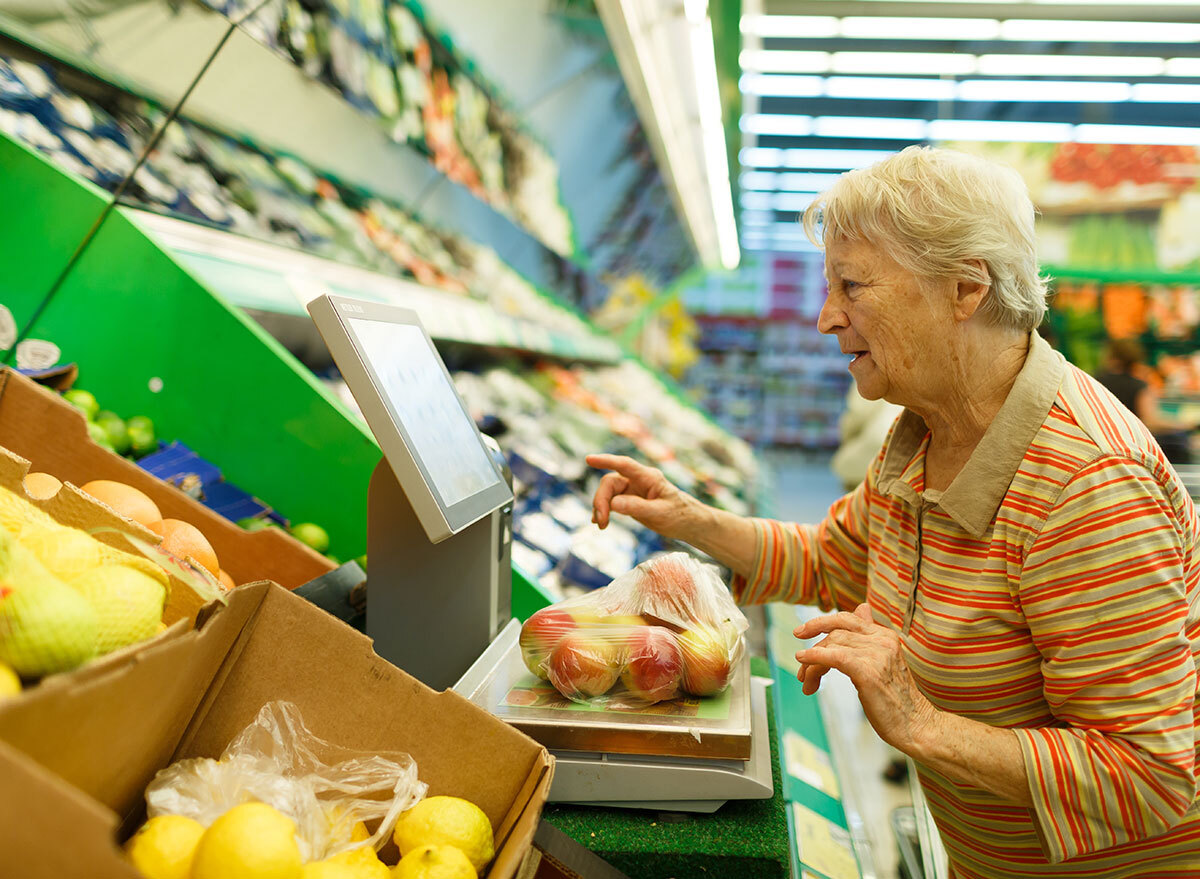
column 1069, row 65
column 839, row 160
column 763, row 61
column 961, row 64
column 763, row 123
column 1183, row 67
column 941, row 63
column 786, row 182
column 990, row 130
column 888, row 28
column 1045, row 31
column 781, row 85
column 881, row 88
column 1166, row 93
column 1151, row 134
column 757, row 201
column 813, row 26
column 870, row 127
column 1042, row 90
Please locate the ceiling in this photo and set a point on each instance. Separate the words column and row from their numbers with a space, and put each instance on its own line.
column 828, row 86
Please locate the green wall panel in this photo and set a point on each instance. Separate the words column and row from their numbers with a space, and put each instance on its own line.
column 134, row 319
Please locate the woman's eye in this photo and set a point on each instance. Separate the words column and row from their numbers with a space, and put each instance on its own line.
column 848, row 285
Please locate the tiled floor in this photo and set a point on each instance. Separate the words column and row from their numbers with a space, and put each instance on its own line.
column 804, row 489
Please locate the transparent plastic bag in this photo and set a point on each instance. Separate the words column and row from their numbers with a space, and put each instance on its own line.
column 669, row 627
column 325, row 788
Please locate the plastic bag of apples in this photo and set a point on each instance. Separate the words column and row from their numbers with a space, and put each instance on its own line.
column 667, row 628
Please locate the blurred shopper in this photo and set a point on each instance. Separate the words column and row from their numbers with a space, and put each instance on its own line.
column 863, row 428
column 1124, row 364
column 1018, row 578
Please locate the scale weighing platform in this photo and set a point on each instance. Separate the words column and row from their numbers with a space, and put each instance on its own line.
column 439, row 535
column 683, row 755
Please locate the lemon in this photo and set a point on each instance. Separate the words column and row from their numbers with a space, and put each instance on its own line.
column 445, row 821
column 10, row 684
column 250, row 841
column 163, row 847
column 329, row 870
column 359, row 863
column 434, row 862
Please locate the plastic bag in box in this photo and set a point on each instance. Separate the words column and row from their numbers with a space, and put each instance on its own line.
column 325, row 788
column 668, row 627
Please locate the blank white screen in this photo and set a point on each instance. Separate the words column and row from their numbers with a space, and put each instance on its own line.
column 442, row 437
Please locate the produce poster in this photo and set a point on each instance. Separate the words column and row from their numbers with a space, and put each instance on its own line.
column 531, row 692
column 1109, row 206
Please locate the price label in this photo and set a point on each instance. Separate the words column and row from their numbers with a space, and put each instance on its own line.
column 824, row 846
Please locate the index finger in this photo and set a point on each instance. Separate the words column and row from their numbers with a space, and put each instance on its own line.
column 622, row 464
column 833, row 622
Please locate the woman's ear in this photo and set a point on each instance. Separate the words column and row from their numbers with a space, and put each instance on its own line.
column 969, row 293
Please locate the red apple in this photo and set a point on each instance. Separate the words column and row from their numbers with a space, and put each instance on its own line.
column 540, row 634
column 706, row 657
column 654, row 665
column 585, row 664
column 666, row 589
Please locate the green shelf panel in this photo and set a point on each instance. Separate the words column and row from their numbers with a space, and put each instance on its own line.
column 1117, row 276
column 134, row 319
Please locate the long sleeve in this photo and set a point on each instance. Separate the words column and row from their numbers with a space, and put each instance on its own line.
column 823, row 564
column 1103, row 593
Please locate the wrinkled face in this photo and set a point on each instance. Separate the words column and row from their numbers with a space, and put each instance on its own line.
column 895, row 325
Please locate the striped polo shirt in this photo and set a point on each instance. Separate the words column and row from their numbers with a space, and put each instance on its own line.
column 1051, row 589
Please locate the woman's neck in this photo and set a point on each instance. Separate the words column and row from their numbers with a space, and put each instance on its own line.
column 982, row 367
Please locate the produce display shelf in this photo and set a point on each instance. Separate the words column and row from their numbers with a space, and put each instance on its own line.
column 1117, row 276
column 256, row 94
column 269, row 277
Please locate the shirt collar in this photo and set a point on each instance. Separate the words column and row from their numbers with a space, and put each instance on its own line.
column 976, row 493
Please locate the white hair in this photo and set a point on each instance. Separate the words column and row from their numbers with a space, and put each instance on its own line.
column 939, row 211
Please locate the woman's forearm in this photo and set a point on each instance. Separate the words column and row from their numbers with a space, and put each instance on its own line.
column 726, row 537
column 973, row 753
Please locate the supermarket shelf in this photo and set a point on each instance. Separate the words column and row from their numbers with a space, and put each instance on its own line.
column 1117, row 276
column 155, row 51
column 268, row 277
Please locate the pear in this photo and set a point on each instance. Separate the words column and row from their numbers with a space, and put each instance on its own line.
column 45, row 625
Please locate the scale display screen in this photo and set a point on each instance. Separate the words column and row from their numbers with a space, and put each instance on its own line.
column 412, row 407
column 421, row 398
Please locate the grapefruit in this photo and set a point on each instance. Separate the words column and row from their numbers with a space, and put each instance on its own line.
column 125, row 500
column 185, row 541
column 41, row 485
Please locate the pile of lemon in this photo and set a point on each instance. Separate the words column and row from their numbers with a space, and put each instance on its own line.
column 439, row 838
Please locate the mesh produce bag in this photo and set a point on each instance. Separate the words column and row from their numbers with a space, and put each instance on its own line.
column 667, row 628
column 326, row 789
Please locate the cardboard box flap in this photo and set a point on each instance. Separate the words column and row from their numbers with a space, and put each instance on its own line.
column 351, row 696
column 39, row 425
column 72, row 836
column 69, row 724
column 516, row 832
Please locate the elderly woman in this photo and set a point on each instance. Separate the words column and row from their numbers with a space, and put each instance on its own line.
column 1018, row 578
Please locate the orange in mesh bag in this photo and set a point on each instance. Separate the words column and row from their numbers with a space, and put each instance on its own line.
column 668, row 627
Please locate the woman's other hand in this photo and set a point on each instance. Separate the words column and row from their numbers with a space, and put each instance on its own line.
column 642, row 492
column 872, row 657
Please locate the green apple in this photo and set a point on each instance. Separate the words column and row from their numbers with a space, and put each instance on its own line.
column 83, row 401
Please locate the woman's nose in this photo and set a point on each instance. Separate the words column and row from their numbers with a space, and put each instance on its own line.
column 832, row 317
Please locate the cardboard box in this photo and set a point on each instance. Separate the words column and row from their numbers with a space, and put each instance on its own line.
column 39, row 425
column 76, row 754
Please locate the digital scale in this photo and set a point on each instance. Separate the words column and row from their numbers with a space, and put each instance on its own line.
column 439, row 533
